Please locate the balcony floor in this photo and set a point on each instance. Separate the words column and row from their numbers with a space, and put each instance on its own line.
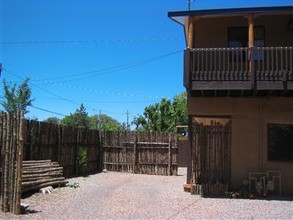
column 241, row 93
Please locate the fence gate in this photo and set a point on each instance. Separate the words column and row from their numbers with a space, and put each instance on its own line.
column 145, row 153
column 211, row 156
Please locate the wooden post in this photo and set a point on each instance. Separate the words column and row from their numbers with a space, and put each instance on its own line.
column 251, row 31
column 100, row 152
column 250, row 48
column 12, row 147
column 135, row 153
column 19, row 158
column 5, row 167
column 76, row 152
column 59, row 135
column 170, row 156
column 190, row 30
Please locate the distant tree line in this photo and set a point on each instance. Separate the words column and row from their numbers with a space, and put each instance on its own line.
column 162, row 116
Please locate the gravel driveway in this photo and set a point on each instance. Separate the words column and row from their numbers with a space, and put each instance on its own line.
column 113, row 195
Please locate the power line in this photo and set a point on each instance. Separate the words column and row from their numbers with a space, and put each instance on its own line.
column 91, row 1
column 45, row 90
column 56, row 95
column 98, row 41
column 109, row 70
column 102, row 91
column 97, row 102
column 112, row 69
column 45, row 110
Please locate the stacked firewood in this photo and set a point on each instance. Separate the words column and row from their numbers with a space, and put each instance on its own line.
column 37, row 174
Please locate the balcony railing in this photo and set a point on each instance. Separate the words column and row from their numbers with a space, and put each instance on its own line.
column 258, row 64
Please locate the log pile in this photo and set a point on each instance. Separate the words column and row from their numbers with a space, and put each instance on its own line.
column 37, row 174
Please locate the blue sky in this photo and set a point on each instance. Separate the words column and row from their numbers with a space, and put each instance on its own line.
column 114, row 56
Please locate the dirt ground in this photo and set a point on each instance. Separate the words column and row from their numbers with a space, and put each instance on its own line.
column 113, row 195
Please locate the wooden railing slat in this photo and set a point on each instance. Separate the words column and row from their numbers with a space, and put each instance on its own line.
column 232, row 64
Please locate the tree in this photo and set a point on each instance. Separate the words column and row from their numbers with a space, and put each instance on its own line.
column 139, row 121
column 152, row 116
column 105, row 122
column 18, row 97
column 164, row 116
column 53, row 120
column 79, row 118
column 180, row 109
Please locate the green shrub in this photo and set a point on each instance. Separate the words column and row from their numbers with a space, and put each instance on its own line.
column 82, row 156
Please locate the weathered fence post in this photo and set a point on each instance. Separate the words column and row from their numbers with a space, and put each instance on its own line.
column 170, row 155
column 12, row 136
column 135, row 153
column 19, row 157
column 76, row 152
column 59, row 135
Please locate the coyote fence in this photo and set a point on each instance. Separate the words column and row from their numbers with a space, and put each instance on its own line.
column 11, row 143
column 76, row 149
column 140, row 152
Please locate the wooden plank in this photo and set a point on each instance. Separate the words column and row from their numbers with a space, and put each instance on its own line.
column 135, row 154
column 20, row 143
column 58, row 182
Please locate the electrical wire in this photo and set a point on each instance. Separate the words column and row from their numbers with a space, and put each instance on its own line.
column 144, row 40
column 58, row 96
column 45, row 110
column 112, row 69
column 109, row 70
column 45, row 90
column 91, row 1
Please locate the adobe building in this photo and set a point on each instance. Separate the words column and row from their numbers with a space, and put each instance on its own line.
column 238, row 72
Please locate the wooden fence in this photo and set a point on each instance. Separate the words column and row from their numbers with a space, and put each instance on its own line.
column 78, row 151
column 63, row 144
column 211, row 158
column 11, row 141
column 144, row 153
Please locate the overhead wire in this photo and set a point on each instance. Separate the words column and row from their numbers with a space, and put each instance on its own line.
column 138, row 40
column 49, row 111
column 114, row 69
column 109, row 70
column 45, row 90
column 56, row 95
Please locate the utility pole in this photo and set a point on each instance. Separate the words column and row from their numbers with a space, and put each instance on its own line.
column 0, row 69
column 189, row 4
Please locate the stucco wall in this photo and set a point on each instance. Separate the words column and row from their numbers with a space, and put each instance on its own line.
column 213, row 32
column 250, row 117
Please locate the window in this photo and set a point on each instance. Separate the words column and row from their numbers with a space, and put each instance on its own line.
column 238, row 37
column 280, row 142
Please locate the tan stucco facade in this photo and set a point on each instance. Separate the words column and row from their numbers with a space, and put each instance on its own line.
column 213, row 32
column 250, row 118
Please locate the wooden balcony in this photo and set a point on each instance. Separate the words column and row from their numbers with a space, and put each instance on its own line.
column 258, row 71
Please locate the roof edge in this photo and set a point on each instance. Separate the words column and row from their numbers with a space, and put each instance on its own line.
column 226, row 11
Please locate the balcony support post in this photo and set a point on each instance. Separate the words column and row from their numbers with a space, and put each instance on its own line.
column 190, row 31
column 187, row 82
column 250, row 49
